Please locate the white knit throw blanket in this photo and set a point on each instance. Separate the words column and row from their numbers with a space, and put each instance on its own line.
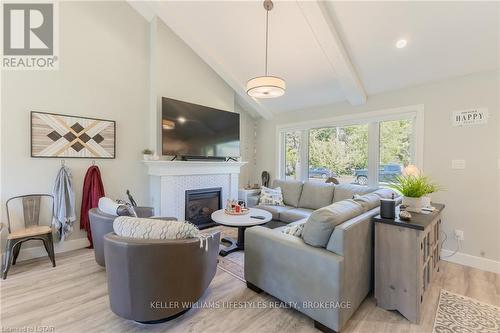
column 143, row 228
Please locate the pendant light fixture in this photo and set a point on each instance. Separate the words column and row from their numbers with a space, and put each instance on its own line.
column 266, row 86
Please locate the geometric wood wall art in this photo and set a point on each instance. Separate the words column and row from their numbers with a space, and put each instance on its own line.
column 56, row 135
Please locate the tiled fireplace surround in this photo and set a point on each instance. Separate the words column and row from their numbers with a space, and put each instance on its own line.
column 169, row 181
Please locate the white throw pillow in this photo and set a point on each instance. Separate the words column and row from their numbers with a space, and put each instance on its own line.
column 294, row 230
column 108, row 206
column 271, row 196
column 134, row 227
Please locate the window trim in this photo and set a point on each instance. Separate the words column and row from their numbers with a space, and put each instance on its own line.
column 372, row 118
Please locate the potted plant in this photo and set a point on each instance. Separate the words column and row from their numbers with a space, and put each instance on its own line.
column 431, row 188
column 415, row 190
column 146, row 154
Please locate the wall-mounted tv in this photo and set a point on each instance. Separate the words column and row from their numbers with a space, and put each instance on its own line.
column 192, row 130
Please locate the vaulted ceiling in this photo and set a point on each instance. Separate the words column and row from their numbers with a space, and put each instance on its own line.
column 334, row 51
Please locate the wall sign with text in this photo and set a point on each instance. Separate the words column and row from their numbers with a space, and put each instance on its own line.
column 470, row 117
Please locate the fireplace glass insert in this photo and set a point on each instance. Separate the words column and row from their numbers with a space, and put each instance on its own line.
column 200, row 204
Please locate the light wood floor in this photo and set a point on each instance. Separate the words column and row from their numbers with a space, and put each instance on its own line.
column 73, row 298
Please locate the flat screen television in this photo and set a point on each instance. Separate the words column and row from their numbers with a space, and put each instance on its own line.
column 192, row 130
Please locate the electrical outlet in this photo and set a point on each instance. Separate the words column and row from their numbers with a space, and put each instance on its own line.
column 459, row 235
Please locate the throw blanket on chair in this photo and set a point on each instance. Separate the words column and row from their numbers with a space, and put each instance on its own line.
column 64, row 203
column 93, row 190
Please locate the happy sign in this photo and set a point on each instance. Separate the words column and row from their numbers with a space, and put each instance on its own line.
column 470, row 117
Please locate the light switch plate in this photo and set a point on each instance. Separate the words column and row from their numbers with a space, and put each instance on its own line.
column 458, row 164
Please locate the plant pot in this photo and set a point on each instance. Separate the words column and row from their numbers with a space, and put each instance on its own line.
column 146, row 157
column 426, row 200
column 413, row 204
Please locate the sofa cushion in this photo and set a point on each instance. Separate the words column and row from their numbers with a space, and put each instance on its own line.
column 372, row 200
column 295, row 214
column 320, row 224
column 274, row 210
column 386, row 193
column 346, row 236
column 271, row 196
column 291, row 190
column 368, row 201
column 135, row 227
column 316, row 195
column 347, row 191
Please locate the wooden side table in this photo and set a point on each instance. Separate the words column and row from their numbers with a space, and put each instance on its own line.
column 407, row 256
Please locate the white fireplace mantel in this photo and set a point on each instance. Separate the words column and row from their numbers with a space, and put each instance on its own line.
column 181, row 168
column 169, row 181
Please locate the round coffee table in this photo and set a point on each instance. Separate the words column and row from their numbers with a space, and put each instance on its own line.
column 254, row 217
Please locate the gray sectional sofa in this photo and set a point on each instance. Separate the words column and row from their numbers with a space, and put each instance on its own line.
column 302, row 198
column 326, row 272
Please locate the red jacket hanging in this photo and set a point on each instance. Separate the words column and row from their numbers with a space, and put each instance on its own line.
column 93, row 190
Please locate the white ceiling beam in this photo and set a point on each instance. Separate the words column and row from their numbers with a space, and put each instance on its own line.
column 142, row 8
column 323, row 28
column 160, row 9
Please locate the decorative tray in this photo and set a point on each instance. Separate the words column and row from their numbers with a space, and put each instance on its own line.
column 243, row 212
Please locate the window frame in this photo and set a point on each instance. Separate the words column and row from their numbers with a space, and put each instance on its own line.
column 373, row 120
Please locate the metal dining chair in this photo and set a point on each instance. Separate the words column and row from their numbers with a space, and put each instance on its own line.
column 27, row 213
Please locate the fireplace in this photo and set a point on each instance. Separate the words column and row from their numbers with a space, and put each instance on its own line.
column 200, row 204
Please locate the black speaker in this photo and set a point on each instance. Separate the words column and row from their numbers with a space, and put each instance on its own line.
column 388, row 208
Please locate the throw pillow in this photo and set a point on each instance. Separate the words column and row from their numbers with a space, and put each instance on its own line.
column 126, row 209
column 320, row 225
column 111, row 207
column 368, row 201
column 294, row 230
column 271, row 196
column 135, row 227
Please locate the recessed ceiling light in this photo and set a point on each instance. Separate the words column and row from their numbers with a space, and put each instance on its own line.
column 401, row 43
column 181, row 120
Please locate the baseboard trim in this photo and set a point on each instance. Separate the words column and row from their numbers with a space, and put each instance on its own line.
column 471, row 261
column 39, row 251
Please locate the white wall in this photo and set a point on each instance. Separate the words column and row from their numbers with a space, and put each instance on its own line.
column 247, row 146
column 179, row 73
column 103, row 74
column 472, row 195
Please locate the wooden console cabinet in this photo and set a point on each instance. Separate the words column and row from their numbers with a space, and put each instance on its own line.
column 407, row 258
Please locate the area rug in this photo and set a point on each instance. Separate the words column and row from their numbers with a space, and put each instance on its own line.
column 234, row 262
column 457, row 313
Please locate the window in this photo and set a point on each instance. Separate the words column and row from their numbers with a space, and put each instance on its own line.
column 395, row 148
column 339, row 152
column 292, row 155
column 369, row 149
